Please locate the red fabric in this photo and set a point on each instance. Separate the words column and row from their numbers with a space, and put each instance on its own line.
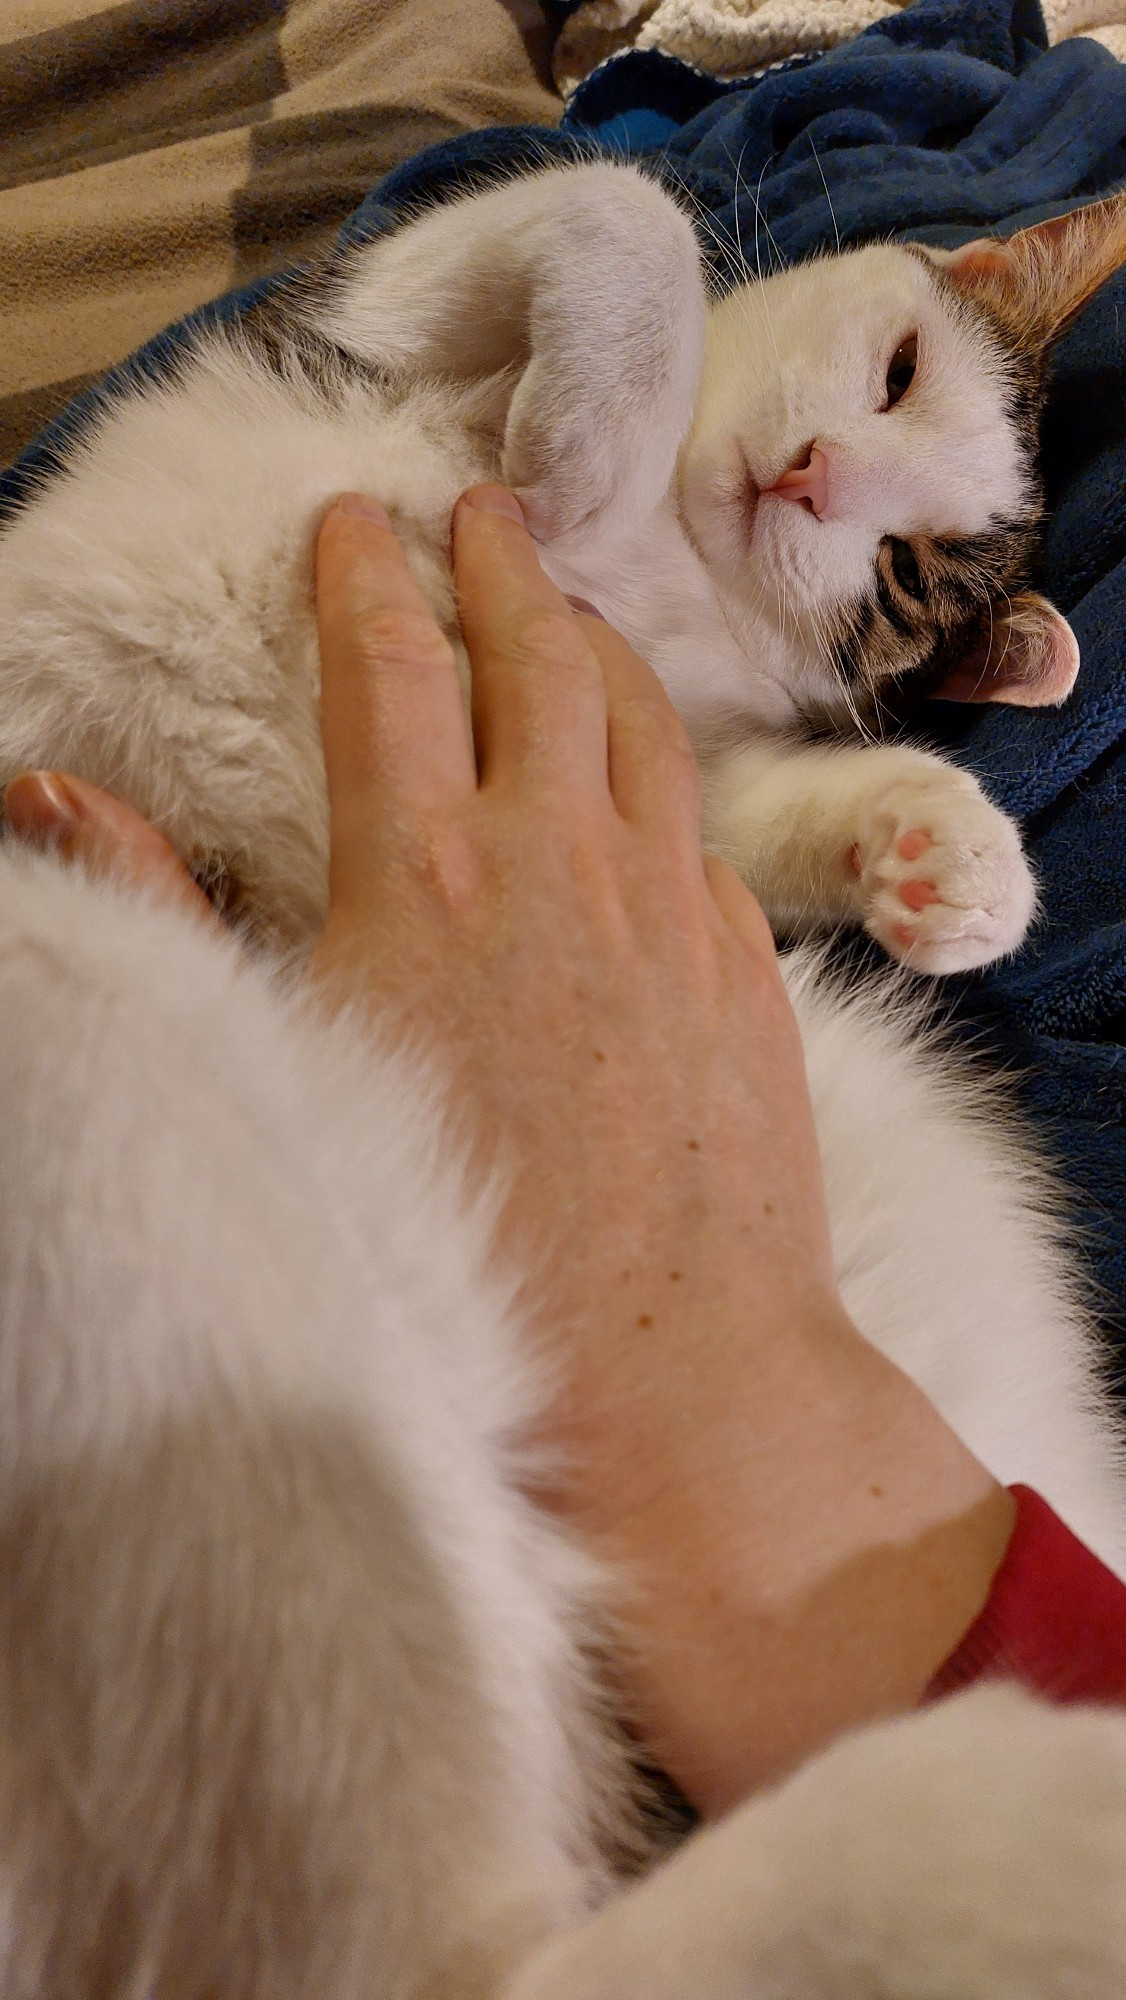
column 1055, row 1619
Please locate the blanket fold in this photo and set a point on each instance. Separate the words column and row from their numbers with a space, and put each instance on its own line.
column 740, row 38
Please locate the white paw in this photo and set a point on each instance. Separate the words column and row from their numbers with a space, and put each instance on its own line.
column 943, row 881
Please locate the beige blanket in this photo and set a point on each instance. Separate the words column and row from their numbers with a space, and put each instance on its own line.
column 156, row 152
column 737, row 37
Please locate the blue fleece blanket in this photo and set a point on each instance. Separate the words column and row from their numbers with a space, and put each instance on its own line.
column 949, row 119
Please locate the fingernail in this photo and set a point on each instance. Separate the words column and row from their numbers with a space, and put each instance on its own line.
column 37, row 807
column 495, row 500
column 588, row 610
column 364, row 505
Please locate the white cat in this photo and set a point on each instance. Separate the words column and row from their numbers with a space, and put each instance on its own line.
column 293, row 1678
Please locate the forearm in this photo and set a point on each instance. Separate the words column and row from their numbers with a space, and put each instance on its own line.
column 767, row 1617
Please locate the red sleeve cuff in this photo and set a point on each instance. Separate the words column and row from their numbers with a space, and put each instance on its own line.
column 1055, row 1619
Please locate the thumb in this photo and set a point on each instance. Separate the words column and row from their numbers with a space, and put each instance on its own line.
column 111, row 841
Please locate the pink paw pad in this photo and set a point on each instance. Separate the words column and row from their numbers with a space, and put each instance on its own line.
column 910, row 845
column 917, row 893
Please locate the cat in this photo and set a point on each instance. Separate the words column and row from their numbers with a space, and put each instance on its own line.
column 296, row 1681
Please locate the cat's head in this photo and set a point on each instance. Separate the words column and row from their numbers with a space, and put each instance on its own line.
column 861, row 476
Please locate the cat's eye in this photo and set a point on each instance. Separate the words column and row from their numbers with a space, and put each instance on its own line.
column 901, row 370
column 905, row 569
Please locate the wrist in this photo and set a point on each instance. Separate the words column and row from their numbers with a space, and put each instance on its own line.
column 809, row 1574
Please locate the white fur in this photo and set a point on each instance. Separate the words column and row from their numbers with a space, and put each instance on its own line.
column 945, row 459
column 824, row 1889
column 235, row 1268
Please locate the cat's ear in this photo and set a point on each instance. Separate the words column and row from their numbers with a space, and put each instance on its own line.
column 1040, row 278
column 1028, row 657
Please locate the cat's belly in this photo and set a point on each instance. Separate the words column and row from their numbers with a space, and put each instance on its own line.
column 157, row 630
column 655, row 590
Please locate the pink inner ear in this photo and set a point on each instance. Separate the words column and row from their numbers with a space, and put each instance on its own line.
column 980, row 259
column 1029, row 664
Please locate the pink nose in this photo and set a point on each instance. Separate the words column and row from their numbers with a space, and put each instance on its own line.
column 809, row 482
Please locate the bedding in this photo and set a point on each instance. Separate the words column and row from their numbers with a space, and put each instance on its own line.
column 738, row 37
column 155, row 155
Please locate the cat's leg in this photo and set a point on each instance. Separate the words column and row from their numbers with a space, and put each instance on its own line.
column 975, row 1852
column 584, row 284
column 954, row 1251
column 291, row 1704
column 892, row 838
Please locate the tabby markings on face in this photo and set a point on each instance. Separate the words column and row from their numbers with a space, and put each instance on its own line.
column 931, row 595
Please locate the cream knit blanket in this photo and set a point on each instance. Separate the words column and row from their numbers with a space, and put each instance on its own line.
column 736, row 37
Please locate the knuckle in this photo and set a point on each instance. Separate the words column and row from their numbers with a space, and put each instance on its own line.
column 657, row 720
column 553, row 639
column 756, row 929
column 402, row 640
column 725, row 880
column 582, row 844
column 683, row 772
column 658, row 730
column 446, row 860
column 732, row 894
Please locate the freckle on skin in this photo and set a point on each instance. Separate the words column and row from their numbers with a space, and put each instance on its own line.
column 644, row 1319
column 598, row 1056
column 693, row 1145
column 674, row 1277
column 626, row 1276
column 877, row 1492
column 768, row 1208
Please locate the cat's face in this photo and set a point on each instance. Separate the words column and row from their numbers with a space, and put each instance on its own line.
column 911, row 497
column 861, row 475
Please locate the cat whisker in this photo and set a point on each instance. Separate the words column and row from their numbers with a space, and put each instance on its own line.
column 776, row 254
column 852, row 707
column 758, row 259
column 727, row 256
column 738, row 170
column 828, row 196
column 989, row 647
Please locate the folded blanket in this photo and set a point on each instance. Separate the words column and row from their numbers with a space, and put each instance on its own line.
column 739, row 37
column 155, row 155
column 945, row 119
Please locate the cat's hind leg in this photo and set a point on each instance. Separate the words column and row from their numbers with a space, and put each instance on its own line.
column 584, row 283
column 975, row 1852
column 290, row 1703
column 955, row 1249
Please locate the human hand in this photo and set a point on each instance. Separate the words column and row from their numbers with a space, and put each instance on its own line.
column 604, row 998
column 803, row 1539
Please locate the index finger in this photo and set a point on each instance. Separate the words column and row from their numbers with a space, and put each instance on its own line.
column 392, row 715
column 539, row 704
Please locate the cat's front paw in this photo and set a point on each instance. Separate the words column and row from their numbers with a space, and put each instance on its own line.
column 943, row 881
